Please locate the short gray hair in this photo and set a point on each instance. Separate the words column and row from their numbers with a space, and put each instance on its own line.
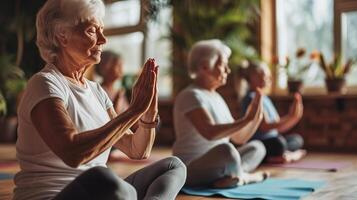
column 206, row 52
column 58, row 15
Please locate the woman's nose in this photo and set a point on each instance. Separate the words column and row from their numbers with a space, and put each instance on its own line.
column 101, row 38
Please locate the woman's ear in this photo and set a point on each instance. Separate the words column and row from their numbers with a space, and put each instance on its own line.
column 62, row 38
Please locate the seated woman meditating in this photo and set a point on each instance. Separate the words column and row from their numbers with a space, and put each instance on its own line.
column 67, row 124
column 279, row 148
column 204, row 124
column 110, row 69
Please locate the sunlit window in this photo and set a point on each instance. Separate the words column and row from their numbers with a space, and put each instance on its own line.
column 159, row 46
column 122, row 13
column 129, row 46
column 349, row 42
column 304, row 24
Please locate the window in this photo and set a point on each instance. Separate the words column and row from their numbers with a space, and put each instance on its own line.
column 304, row 24
column 122, row 13
column 349, row 42
column 136, row 40
column 129, row 47
column 159, row 46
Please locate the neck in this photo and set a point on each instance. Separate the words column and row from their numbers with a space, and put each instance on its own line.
column 205, row 84
column 71, row 69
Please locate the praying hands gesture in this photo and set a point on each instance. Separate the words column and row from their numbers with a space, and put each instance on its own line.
column 296, row 108
column 144, row 96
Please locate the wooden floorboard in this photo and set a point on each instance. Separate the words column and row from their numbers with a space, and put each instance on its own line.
column 340, row 185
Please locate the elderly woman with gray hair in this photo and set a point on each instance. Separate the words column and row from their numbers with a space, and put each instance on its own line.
column 67, row 123
column 204, row 124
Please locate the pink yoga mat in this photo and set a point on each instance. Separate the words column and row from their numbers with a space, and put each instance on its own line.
column 7, row 164
column 315, row 164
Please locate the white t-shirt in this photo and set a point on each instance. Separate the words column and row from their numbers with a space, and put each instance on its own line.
column 190, row 144
column 43, row 174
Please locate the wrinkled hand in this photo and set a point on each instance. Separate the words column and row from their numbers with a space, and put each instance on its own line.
column 145, row 88
column 297, row 108
column 151, row 113
column 255, row 108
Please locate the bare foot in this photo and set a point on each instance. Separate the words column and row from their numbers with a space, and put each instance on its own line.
column 254, row 177
column 293, row 156
column 226, row 182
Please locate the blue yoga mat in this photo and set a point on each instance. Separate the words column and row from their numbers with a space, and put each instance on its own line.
column 277, row 189
column 4, row 176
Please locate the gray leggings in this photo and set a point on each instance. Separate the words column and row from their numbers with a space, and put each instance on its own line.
column 224, row 160
column 161, row 180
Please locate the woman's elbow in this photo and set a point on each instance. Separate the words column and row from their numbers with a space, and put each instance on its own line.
column 71, row 162
column 71, row 159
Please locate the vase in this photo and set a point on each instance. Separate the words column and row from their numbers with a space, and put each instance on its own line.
column 336, row 85
column 295, row 86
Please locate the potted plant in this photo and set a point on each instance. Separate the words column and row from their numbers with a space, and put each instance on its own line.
column 335, row 72
column 12, row 83
column 295, row 70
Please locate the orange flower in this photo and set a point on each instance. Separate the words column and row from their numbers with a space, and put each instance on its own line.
column 315, row 55
column 275, row 60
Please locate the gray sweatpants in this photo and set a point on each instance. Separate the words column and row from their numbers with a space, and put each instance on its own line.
column 161, row 180
column 224, row 160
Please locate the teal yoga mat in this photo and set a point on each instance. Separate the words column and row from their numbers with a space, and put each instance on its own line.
column 4, row 176
column 277, row 189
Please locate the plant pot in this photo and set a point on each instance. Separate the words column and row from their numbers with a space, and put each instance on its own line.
column 336, row 85
column 295, row 86
column 8, row 127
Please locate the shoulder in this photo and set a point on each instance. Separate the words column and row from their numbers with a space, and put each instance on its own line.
column 94, row 85
column 191, row 91
column 45, row 79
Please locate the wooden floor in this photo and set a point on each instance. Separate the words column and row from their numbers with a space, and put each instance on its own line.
column 340, row 185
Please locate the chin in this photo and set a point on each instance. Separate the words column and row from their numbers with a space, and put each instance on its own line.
column 95, row 59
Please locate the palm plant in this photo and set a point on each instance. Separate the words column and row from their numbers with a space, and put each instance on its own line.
column 335, row 71
column 234, row 22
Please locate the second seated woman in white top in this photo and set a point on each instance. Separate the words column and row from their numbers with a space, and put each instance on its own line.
column 204, row 124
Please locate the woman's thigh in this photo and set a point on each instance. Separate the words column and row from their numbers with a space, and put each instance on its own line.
column 162, row 180
column 98, row 183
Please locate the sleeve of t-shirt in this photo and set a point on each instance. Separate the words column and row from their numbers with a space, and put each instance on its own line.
column 192, row 100
column 40, row 87
column 104, row 98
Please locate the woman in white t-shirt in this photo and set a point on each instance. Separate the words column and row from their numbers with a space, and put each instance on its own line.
column 67, row 124
column 204, row 124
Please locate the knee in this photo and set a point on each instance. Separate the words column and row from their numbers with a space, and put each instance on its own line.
column 295, row 142
column 258, row 148
column 176, row 164
column 299, row 140
column 230, row 156
column 229, row 151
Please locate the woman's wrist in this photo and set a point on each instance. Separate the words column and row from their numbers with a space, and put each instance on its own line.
column 149, row 124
